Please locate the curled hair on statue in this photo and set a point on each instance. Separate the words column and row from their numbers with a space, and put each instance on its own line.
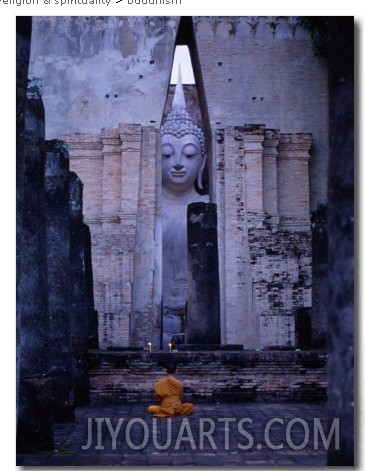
column 178, row 122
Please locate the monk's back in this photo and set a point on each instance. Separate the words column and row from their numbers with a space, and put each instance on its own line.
column 169, row 391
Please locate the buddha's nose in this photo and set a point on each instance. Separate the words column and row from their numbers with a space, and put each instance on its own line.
column 178, row 164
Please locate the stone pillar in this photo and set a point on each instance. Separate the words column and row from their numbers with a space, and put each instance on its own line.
column 293, row 181
column 58, row 270
column 131, row 140
column 239, row 324
column 270, row 178
column 145, row 326
column 320, row 275
column 34, row 395
column 93, row 337
column 219, row 154
column 203, row 318
column 157, row 272
column 113, row 320
column 253, row 136
column 78, row 296
column 341, row 257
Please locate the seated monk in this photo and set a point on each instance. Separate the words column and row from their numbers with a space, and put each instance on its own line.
column 169, row 394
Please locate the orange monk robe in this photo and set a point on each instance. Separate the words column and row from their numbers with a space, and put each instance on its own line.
column 169, row 394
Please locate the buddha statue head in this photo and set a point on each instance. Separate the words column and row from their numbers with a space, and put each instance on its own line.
column 182, row 147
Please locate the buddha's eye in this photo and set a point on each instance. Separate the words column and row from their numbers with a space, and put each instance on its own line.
column 190, row 151
column 167, row 151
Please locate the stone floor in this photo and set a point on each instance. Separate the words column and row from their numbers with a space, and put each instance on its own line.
column 229, row 434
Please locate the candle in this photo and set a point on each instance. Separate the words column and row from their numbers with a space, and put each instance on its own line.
column 170, row 346
column 149, row 346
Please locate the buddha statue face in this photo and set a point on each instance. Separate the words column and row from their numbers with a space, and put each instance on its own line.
column 182, row 162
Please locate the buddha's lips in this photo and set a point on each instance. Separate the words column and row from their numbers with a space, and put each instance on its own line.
column 175, row 173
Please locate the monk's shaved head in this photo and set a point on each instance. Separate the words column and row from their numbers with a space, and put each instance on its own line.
column 171, row 368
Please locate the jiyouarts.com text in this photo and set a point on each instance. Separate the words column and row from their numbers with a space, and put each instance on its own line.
column 223, row 433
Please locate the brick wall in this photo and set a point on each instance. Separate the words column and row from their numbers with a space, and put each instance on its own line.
column 265, row 256
column 119, row 169
column 264, row 241
column 263, row 70
column 260, row 179
column 210, row 376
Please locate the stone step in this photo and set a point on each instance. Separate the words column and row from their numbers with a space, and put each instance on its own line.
column 219, row 375
column 190, row 347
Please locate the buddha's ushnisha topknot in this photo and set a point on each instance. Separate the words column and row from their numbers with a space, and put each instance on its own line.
column 179, row 122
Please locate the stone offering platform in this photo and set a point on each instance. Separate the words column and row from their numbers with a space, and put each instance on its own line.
column 221, row 375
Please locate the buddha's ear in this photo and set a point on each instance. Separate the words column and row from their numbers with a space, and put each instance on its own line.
column 200, row 173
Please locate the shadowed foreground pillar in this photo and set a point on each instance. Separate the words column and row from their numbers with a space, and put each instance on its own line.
column 79, row 321
column 34, row 404
column 341, row 241
column 203, row 318
column 58, row 271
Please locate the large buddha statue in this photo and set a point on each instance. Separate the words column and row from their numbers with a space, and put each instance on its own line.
column 183, row 155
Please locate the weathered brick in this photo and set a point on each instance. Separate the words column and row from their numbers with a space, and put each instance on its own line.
column 216, row 375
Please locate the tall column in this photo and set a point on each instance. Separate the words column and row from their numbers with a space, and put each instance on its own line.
column 203, row 319
column 34, row 395
column 219, row 155
column 145, row 328
column 270, row 178
column 93, row 335
column 131, row 139
column 113, row 320
column 253, row 136
column 157, row 272
column 341, row 256
column 58, row 270
column 293, row 181
column 78, row 296
column 234, row 258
